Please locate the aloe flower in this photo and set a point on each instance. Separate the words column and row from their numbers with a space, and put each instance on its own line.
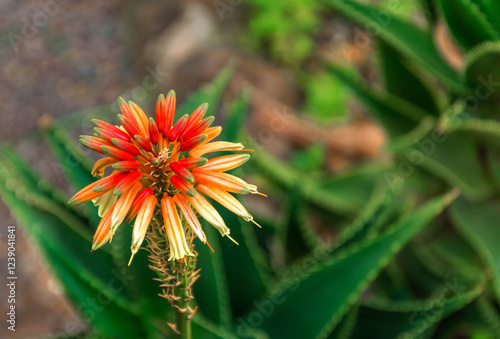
column 162, row 166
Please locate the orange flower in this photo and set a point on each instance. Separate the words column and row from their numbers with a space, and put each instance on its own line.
column 157, row 160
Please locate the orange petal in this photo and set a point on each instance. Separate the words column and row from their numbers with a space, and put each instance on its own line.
column 128, row 180
column 123, row 205
column 182, row 171
column 225, row 163
column 215, row 146
column 193, row 120
column 140, row 118
column 109, row 182
column 174, row 229
column 100, row 165
column 208, row 212
column 136, row 204
column 224, row 181
column 142, row 223
column 116, row 153
column 182, row 185
column 102, row 234
column 176, row 131
column 226, row 200
column 191, row 218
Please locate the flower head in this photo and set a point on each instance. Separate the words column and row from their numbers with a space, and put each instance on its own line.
column 160, row 168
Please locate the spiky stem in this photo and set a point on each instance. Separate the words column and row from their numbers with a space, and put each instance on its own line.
column 176, row 276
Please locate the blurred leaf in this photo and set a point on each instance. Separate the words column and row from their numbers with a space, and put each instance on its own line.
column 477, row 222
column 467, row 23
column 437, row 154
column 294, row 230
column 316, row 309
column 215, row 304
column 483, row 74
column 396, row 115
column 490, row 9
column 311, row 158
column 417, row 45
column 28, row 178
column 326, row 98
column 400, row 80
column 91, row 287
column 410, row 319
column 203, row 328
column 211, row 93
column 344, row 194
column 489, row 314
column 71, row 161
column 345, row 328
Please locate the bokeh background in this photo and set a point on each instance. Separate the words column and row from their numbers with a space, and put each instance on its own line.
column 62, row 57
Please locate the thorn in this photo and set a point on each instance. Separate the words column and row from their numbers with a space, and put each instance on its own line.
column 174, row 328
column 192, row 312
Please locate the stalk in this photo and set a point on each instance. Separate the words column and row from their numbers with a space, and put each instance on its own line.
column 176, row 277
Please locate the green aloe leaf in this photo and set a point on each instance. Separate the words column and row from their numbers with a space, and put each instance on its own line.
column 72, row 162
column 477, row 222
column 316, row 306
column 66, row 249
column 490, row 9
column 411, row 319
column 436, row 154
column 483, row 74
column 203, row 328
column 21, row 170
column 468, row 25
column 295, row 233
column 211, row 289
column 397, row 115
column 401, row 80
column 344, row 194
column 417, row 45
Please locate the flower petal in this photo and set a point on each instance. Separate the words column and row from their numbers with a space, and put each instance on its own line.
column 225, row 163
column 182, row 185
column 208, row 212
column 123, row 205
column 142, row 223
column 226, row 200
column 215, row 146
column 191, row 218
column 130, row 179
column 175, row 232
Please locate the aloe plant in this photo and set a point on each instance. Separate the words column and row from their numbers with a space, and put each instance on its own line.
column 403, row 248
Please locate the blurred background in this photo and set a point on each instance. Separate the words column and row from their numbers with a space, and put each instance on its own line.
column 71, row 60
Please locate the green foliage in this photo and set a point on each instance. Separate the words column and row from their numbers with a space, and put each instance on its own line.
column 371, row 252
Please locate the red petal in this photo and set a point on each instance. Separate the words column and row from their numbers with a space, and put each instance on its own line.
column 112, row 130
column 143, row 142
column 178, row 128
column 191, row 163
column 127, row 165
column 182, row 171
column 193, row 142
column 117, row 153
column 193, row 120
column 125, row 146
column 153, row 131
column 183, row 185
column 129, row 179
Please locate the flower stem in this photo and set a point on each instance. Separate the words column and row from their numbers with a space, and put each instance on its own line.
column 176, row 278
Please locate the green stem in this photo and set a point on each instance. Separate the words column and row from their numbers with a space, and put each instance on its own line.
column 183, row 291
